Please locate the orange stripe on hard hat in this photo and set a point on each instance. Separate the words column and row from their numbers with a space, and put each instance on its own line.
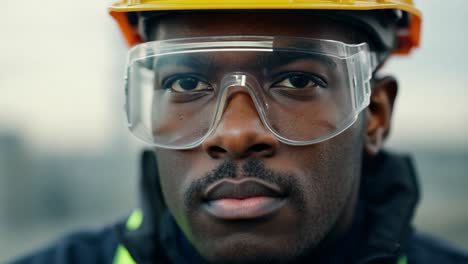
column 411, row 38
column 130, row 32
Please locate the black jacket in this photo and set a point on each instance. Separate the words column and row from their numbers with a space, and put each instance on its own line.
column 381, row 232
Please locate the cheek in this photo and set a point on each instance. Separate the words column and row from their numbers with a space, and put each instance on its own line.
column 177, row 169
column 337, row 164
column 174, row 168
column 331, row 173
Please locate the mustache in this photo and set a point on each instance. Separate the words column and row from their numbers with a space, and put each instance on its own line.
column 252, row 168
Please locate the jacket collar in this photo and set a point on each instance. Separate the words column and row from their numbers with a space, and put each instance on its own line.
column 390, row 192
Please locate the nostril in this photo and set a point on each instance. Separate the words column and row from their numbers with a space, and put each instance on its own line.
column 259, row 148
column 216, row 149
column 216, row 152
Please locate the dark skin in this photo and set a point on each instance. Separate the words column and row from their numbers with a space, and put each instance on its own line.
column 325, row 176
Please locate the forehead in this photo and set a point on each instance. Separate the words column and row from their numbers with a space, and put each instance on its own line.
column 271, row 23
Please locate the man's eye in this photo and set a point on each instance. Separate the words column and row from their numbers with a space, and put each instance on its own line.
column 301, row 81
column 186, row 84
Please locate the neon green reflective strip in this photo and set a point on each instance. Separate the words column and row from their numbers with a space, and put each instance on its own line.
column 134, row 221
column 122, row 256
column 402, row 260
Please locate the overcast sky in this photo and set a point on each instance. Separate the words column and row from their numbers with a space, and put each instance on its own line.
column 61, row 65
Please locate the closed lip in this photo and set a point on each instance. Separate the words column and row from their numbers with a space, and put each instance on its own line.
column 248, row 198
column 242, row 189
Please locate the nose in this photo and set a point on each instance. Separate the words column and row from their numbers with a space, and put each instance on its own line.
column 240, row 132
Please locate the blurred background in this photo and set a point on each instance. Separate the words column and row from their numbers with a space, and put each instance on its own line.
column 67, row 161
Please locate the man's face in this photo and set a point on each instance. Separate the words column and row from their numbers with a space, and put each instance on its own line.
column 242, row 195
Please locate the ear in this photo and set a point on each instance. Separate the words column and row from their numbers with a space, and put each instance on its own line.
column 379, row 113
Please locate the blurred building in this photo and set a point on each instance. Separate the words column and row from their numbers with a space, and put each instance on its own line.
column 16, row 181
column 45, row 194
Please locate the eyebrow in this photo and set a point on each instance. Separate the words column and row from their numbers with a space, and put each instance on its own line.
column 280, row 58
column 275, row 59
column 187, row 60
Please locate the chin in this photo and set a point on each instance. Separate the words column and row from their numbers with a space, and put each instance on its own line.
column 246, row 248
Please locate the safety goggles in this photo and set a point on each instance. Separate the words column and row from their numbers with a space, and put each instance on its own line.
column 305, row 90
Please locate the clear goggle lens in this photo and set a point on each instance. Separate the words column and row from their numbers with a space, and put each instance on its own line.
column 305, row 90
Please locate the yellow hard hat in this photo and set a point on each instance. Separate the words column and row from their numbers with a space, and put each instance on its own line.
column 408, row 37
